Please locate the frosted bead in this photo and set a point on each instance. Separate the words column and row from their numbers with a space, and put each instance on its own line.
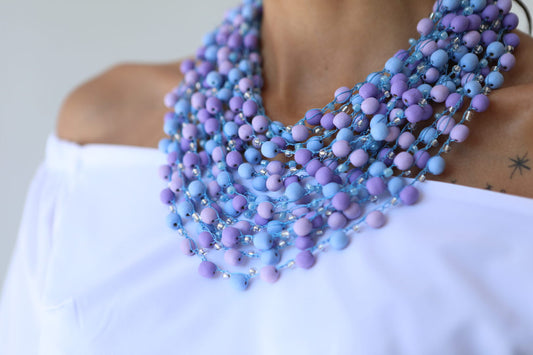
column 341, row 148
column 207, row 269
column 353, row 211
column 269, row 274
column 336, row 220
column 342, row 94
column 375, row 186
column 445, row 124
column 403, row 160
column 436, row 165
column 265, row 209
column 375, row 219
column 341, row 120
column 300, row 133
column 305, row 259
column 239, row 282
column 208, row 215
column 230, row 236
column 459, row 133
column 302, row 227
column 358, row 158
column 369, row 107
column 494, row 80
column 263, row 241
column 409, row 195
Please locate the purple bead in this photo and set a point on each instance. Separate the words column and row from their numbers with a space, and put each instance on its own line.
column 230, row 236
column 190, row 159
column 260, row 124
column 368, row 90
column 341, row 148
column 187, row 247
column 411, row 97
column 369, row 106
column 274, row 183
column 302, row 227
column 511, row 39
column 375, row 219
column 409, row 195
column 249, row 108
column 300, row 133
column 167, row 196
column 342, row 120
column 205, row 239
column 245, row 85
column 275, row 167
column 290, row 179
column 454, row 100
column 313, row 116
column 490, row 13
column 208, row 215
column 471, row 39
column 305, row 259
column 424, row 26
column 403, row 160
column 326, row 121
column 394, row 132
column 213, row 105
column 459, row 24
column 207, row 269
column 480, row 103
column 342, row 94
column 375, row 186
column 340, row 201
column 353, row 211
column 189, row 130
column 398, row 88
column 358, row 158
column 302, row 156
column 244, row 227
column 421, row 158
column 414, row 113
column 233, row 257
column 427, row 47
column 186, row 65
column 504, row 5
column 313, row 166
column 260, row 220
column 239, row 203
column 323, row 175
column 269, row 273
column 234, row 159
column 245, row 133
column 507, row 61
column 164, row 171
column 337, row 220
column 431, row 75
column 474, row 21
column 459, row 133
column 445, row 124
column 265, row 209
column 251, row 41
column 439, row 93
column 304, row 242
column 235, row 104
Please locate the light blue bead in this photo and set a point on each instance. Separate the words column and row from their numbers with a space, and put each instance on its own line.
column 329, row 190
column 211, row 53
column 182, row 107
column 314, row 144
column 252, row 155
column 245, row 66
column 374, row 78
column 478, row 5
column 173, row 221
column 495, row 50
column 163, row 144
column 287, row 136
column 494, row 80
column 459, row 53
column 393, row 65
column 388, row 172
column 224, row 94
column 395, row 185
column 451, row 5
column 210, row 145
column 379, row 118
column 356, row 99
column 270, row 257
column 379, row 131
column 196, row 188
column 450, row 85
column 224, row 179
column 472, row 88
column 171, row 127
column 229, row 210
column 245, row 170
column 274, row 227
column 269, row 149
column 277, row 127
column 209, row 39
column 469, row 62
column 214, row 79
column 338, row 240
column 234, row 75
column 436, row 165
column 294, row 191
column 239, row 282
column 185, row 209
column 230, row 129
column 259, row 183
column 376, row 168
column 428, row 134
column 173, row 147
column 424, row 89
column 263, row 240
column 345, row 134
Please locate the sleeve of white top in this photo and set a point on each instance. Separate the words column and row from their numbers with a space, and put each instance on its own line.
column 20, row 302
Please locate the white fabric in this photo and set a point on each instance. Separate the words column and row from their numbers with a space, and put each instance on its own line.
column 97, row 271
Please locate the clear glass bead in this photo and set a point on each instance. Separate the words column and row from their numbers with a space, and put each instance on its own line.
column 291, row 263
column 285, row 233
column 202, row 251
column 469, row 115
column 226, row 275
column 196, row 217
column 446, row 148
column 282, row 243
column 256, row 228
column 289, row 153
column 422, row 178
column 247, row 239
column 252, row 271
column 220, row 226
column 217, row 246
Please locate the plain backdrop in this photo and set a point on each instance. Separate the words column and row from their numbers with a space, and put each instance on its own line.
column 49, row 47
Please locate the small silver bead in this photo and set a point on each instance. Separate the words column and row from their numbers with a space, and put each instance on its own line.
column 407, row 172
column 394, row 201
column 469, row 115
column 202, row 251
column 422, row 178
column 195, row 172
column 181, row 231
column 188, row 194
column 196, row 217
column 356, row 228
column 446, row 148
column 289, row 153
column 217, row 246
column 171, row 208
column 282, row 243
column 204, row 201
column 247, row 239
column 373, row 198
column 319, row 232
column 220, row 226
column 251, row 254
column 226, row 275
column 290, row 263
column 317, row 130
column 329, row 213
column 177, row 136
column 252, row 271
column 285, row 233
column 256, row 228
column 263, row 171
column 180, row 166
column 509, row 49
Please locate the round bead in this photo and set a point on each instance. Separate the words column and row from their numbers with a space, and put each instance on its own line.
column 436, row 165
column 409, row 195
column 260, row 124
column 323, row 175
column 369, row 106
column 208, row 215
column 300, row 133
column 269, row 273
column 336, row 220
column 207, row 269
column 375, row 186
column 341, row 148
column 265, row 209
column 342, row 120
column 263, row 240
column 294, row 192
column 341, row 200
column 305, row 259
column 338, row 240
column 342, row 94
column 358, row 158
column 239, row 282
column 459, row 133
column 445, row 124
column 480, row 103
column 270, row 257
column 375, row 219
column 353, row 211
column 494, row 80
column 274, row 183
column 302, row 227
column 403, row 160
column 269, row 149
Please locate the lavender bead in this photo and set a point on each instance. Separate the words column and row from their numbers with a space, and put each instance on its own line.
column 369, row 106
column 375, row 219
column 409, row 195
column 269, row 273
column 459, row 24
column 336, row 221
column 305, row 259
column 249, row 108
column 326, row 121
column 302, row 227
column 304, row 242
column 187, row 247
column 480, row 103
column 341, row 148
column 511, row 39
column 302, row 156
column 245, row 85
column 260, row 124
column 274, row 183
column 459, row 133
column 230, row 236
column 323, row 175
column 167, row 196
column 208, row 215
column 414, row 113
column 342, row 120
column 205, row 239
column 342, row 94
column 439, row 93
column 368, row 90
column 300, row 133
column 265, row 210
column 234, row 159
column 403, row 160
column 341, row 201
column 490, row 13
column 411, row 97
column 445, row 124
column 275, row 167
column 358, row 158
column 353, row 211
column 313, row 116
column 207, row 269
column 507, row 61
column 375, row 186
column 234, row 257
column 424, row 26
column 421, row 158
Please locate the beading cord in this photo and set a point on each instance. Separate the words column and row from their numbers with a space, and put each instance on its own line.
column 346, row 163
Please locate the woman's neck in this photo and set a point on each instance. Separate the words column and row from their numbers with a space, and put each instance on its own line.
column 311, row 47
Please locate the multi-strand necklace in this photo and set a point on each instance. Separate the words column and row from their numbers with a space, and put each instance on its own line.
column 343, row 166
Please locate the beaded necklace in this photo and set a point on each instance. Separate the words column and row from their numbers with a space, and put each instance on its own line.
column 348, row 162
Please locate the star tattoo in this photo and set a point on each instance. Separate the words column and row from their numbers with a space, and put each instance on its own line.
column 519, row 163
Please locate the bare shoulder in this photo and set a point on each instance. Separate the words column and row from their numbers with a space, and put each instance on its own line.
column 122, row 105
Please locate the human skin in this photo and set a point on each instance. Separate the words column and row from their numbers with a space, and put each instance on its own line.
column 310, row 48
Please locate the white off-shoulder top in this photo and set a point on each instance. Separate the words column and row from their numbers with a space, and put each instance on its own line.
column 96, row 270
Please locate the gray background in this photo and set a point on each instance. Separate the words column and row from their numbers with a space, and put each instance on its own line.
column 49, row 47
